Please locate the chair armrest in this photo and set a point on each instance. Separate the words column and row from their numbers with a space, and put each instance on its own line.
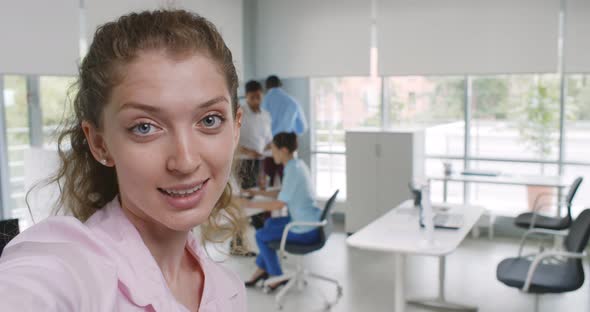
column 531, row 232
column 296, row 223
column 547, row 254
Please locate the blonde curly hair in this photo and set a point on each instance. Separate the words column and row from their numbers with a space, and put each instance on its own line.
column 86, row 185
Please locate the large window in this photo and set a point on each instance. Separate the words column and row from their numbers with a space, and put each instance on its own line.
column 17, row 132
column 18, row 97
column 515, row 117
column 339, row 104
column 54, row 98
column 514, row 128
column 577, row 134
column 437, row 105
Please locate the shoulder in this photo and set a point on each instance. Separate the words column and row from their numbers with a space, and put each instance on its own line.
column 59, row 229
column 298, row 165
column 63, row 238
column 58, row 249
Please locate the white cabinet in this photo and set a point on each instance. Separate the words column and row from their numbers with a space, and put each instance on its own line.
column 379, row 166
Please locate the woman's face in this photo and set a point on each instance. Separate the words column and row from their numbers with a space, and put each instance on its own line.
column 169, row 131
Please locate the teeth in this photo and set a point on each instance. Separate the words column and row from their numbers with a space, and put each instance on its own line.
column 184, row 192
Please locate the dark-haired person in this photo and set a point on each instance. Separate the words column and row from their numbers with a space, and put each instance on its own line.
column 150, row 159
column 286, row 116
column 297, row 194
column 255, row 135
column 255, row 138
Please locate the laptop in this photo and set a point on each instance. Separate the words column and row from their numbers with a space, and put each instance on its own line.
column 442, row 219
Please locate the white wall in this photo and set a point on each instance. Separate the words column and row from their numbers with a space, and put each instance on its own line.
column 421, row 37
column 577, row 36
column 39, row 37
column 312, row 38
column 227, row 15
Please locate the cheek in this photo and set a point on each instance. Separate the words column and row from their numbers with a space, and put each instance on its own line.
column 217, row 153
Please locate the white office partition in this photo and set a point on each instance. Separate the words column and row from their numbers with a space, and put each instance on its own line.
column 577, row 36
column 313, row 38
column 225, row 14
column 39, row 37
column 420, row 37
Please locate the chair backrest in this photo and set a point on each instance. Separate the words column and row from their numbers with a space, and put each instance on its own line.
column 571, row 193
column 8, row 230
column 579, row 233
column 327, row 215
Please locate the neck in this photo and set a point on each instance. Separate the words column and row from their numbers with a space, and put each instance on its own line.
column 168, row 247
column 287, row 158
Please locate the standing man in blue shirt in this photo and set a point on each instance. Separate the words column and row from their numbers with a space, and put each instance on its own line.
column 285, row 112
column 286, row 116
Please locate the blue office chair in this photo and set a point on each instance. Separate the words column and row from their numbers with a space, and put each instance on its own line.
column 533, row 219
column 300, row 276
column 550, row 271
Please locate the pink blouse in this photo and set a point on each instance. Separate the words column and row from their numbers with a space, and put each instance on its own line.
column 62, row 264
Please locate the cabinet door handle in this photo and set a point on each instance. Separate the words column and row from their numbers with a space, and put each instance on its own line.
column 378, row 150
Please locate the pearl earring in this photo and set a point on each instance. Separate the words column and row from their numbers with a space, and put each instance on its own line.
column 104, row 161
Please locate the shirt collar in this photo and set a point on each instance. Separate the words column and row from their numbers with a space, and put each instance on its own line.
column 140, row 277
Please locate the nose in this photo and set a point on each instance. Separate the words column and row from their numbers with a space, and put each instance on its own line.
column 184, row 158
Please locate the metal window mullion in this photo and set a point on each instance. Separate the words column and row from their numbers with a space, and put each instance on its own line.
column 467, row 139
column 563, row 85
column 34, row 109
column 5, row 209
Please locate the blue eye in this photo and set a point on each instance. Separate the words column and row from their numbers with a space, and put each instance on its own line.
column 212, row 121
column 143, row 129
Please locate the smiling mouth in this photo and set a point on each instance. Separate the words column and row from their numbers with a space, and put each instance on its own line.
column 182, row 192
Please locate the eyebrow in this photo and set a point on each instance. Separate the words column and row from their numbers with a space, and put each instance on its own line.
column 154, row 109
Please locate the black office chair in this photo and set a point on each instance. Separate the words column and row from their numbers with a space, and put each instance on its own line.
column 533, row 219
column 550, row 271
column 8, row 230
column 299, row 277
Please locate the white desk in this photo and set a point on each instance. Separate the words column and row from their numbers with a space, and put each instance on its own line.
column 399, row 232
column 507, row 179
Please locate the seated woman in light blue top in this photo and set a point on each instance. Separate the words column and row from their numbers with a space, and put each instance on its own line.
column 296, row 193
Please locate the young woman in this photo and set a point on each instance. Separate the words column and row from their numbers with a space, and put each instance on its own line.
column 297, row 194
column 155, row 130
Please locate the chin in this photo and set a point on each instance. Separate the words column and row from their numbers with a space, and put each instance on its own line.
column 185, row 223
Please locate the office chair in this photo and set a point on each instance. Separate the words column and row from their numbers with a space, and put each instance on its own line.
column 8, row 230
column 551, row 271
column 299, row 277
column 531, row 220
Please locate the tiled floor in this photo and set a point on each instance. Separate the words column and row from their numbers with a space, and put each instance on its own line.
column 368, row 282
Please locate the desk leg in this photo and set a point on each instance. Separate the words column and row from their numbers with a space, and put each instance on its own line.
column 445, row 181
column 439, row 302
column 399, row 304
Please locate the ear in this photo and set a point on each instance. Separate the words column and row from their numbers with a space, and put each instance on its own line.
column 96, row 143
column 238, row 126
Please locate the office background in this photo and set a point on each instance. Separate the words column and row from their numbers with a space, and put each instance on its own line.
column 498, row 84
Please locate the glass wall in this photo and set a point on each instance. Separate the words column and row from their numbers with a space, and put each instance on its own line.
column 17, row 132
column 55, row 98
column 577, row 134
column 52, row 93
column 339, row 104
column 514, row 128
